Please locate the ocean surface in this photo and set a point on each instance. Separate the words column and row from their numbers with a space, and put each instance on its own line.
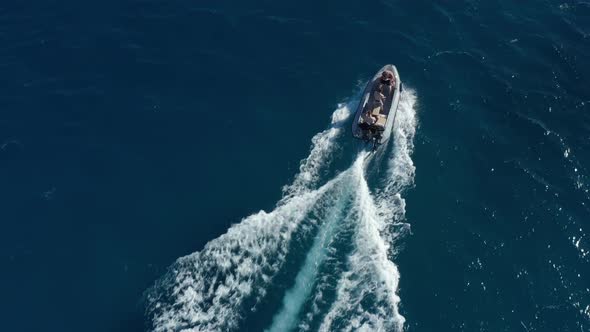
column 189, row 166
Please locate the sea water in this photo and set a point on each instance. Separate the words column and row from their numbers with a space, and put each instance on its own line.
column 189, row 166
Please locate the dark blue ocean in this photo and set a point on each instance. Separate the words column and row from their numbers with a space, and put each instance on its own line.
column 189, row 166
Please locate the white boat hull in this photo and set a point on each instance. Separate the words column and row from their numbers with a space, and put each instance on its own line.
column 378, row 135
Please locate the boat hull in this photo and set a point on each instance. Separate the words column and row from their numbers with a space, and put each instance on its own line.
column 381, row 135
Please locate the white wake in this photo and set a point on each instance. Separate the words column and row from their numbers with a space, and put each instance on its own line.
column 372, row 277
column 214, row 289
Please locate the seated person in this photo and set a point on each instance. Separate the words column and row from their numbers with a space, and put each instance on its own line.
column 386, row 82
column 378, row 97
column 369, row 118
column 387, row 78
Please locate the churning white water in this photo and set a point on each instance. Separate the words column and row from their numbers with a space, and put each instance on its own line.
column 214, row 289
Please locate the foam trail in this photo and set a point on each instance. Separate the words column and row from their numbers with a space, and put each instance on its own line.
column 323, row 145
column 401, row 169
column 207, row 290
column 213, row 289
column 371, row 278
column 286, row 319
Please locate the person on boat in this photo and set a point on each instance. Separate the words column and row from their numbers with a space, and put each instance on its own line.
column 378, row 97
column 368, row 119
column 385, row 84
column 387, row 78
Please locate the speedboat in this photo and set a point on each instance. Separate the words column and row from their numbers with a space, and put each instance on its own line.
column 375, row 115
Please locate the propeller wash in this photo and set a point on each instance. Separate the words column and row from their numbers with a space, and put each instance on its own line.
column 339, row 231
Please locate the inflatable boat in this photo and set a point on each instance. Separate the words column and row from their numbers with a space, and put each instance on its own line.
column 375, row 114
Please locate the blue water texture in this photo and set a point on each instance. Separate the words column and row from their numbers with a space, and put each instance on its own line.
column 189, row 166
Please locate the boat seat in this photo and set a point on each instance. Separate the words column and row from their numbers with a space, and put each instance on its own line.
column 376, row 110
column 381, row 120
